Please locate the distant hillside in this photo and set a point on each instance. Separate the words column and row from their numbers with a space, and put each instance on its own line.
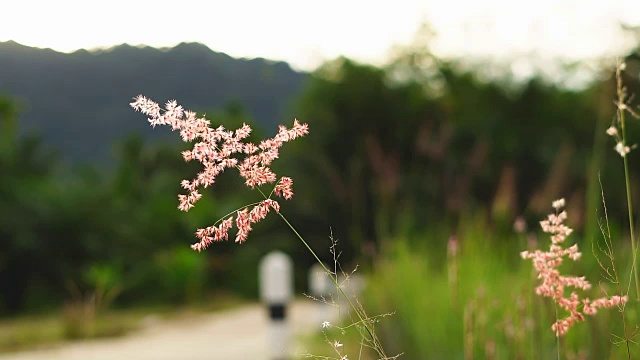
column 79, row 101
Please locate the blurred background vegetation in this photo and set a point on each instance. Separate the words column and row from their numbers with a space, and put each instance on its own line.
column 400, row 159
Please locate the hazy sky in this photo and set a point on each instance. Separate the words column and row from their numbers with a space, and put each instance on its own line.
column 306, row 32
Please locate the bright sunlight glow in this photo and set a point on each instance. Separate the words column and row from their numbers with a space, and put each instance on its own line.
column 306, row 33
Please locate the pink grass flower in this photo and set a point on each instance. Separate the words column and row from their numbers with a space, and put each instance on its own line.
column 554, row 284
column 284, row 188
column 218, row 149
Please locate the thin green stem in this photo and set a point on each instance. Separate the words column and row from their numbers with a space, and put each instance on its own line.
column 366, row 325
column 236, row 210
column 376, row 343
column 606, row 234
column 629, row 205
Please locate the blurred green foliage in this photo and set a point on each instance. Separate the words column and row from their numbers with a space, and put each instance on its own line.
column 399, row 154
column 183, row 274
column 394, row 152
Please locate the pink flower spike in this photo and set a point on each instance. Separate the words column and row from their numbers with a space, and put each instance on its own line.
column 217, row 149
column 284, row 188
column 553, row 285
column 273, row 204
column 243, row 224
column 185, row 205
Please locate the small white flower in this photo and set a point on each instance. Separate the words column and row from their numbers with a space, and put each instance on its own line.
column 344, row 358
column 622, row 150
column 326, row 324
column 612, row 131
column 337, row 344
column 558, row 204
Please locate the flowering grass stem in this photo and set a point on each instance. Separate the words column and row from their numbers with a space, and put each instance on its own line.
column 547, row 263
column 622, row 107
column 214, row 150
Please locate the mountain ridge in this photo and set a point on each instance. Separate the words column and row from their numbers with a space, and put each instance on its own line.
column 71, row 98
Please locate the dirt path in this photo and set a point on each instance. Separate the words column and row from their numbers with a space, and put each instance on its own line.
column 237, row 334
